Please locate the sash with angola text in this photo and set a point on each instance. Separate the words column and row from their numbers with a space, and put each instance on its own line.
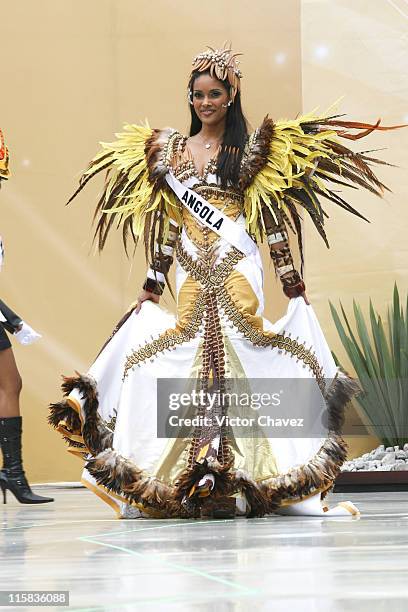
column 211, row 217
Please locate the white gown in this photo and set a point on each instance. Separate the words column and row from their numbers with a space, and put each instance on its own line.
column 132, row 399
column 109, row 416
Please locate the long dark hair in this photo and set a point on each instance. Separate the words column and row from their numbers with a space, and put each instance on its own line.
column 235, row 135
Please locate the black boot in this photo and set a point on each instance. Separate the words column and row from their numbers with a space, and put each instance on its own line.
column 12, row 475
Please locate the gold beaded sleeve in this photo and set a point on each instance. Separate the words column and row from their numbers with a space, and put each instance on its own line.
column 278, row 243
column 161, row 261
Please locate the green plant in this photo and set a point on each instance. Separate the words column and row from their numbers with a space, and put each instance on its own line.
column 380, row 360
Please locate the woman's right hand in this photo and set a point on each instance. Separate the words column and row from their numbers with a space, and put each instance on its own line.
column 146, row 295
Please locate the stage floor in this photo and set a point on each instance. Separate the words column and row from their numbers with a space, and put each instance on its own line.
column 275, row 563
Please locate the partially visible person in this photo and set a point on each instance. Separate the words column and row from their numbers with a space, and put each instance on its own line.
column 12, row 476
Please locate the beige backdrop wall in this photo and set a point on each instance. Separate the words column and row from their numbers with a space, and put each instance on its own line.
column 359, row 49
column 71, row 73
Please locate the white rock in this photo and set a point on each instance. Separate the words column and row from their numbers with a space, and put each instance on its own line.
column 379, row 454
column 401, row 467
column 381, row 459
column 388, row 459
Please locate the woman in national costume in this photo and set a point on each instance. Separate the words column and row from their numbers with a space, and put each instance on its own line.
column 12, row 476
column 207, row 200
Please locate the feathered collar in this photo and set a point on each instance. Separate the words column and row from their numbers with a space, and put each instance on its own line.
column 158, row 151
column 256, row 153
column 162, row 144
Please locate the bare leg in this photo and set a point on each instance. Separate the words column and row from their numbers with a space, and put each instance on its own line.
column 10, row 385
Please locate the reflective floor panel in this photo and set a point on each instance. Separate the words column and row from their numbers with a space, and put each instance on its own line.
column 276, row 563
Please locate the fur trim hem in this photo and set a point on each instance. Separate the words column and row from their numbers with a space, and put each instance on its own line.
column 322, row 470
column 121, row 476
column 63, row 412
column 319, row 473
column 221, row 473
column 341, row 390
column 96, row 435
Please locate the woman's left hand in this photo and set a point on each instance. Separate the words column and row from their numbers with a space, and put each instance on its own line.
column 304, row 296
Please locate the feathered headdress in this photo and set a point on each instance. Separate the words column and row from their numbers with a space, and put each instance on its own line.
column 221, row 64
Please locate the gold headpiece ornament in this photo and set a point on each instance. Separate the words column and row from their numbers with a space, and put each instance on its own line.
column 4, row 158
column 221, row 64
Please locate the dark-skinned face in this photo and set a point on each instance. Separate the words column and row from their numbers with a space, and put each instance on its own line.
column 209, row 96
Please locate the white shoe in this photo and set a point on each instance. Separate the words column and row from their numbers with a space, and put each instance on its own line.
column 312, row 506
column 342, row 509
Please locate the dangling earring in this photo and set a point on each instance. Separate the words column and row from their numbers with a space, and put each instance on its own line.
column 189, row 97
column 226, row 105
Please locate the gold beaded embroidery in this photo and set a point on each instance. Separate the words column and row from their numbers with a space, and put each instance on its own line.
column 169, row 339
column 211, row 442
column 111, row 424
column 251, row 142
column 214, row 191
column 209, row 278
column 259, row 338
column 214, row 279
column 168, row 148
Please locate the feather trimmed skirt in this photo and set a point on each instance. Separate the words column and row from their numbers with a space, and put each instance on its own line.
column 109, row 416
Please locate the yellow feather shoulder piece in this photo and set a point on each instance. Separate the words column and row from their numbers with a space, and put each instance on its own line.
column 292, row 162
column 135, row 196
